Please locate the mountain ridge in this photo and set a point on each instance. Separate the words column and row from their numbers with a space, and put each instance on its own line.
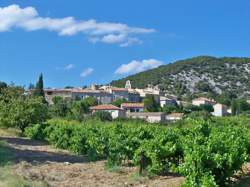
column 201, row 74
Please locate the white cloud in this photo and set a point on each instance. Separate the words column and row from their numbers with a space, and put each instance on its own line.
column 87, row 72
column 138, row 66
column 28, row 19
column 69, row 67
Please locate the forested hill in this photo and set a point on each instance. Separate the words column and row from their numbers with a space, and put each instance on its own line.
column 197, row 75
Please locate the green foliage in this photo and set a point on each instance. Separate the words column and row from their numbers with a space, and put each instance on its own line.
column 203, row 86
column 150, row 104
column 60, row 107
column 207, row 107
column 35, row 132
column 172, row 108
column 200, row 115
column 75, row 110
column 39, row 87
column 207, row 153
column 239, row 106
column 213, row 155
column 102, row 115
column 21, row 111
column 118, row 102
column 2, row 85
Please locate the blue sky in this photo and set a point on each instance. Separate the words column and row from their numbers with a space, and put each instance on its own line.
column 81, row 42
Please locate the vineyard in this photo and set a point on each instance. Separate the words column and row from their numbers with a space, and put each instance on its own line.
column 208, row 153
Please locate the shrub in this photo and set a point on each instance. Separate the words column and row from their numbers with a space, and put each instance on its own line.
column 102, row 115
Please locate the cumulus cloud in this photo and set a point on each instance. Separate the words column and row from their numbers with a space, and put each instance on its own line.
column 138, row 66
column 87, row 72
column 28, row 18
column 66, row 68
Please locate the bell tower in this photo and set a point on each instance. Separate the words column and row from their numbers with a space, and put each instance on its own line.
column 128, row 85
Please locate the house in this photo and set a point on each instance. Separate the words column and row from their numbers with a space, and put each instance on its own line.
column 174, row 116
column 220, row 110
column 151, row 117
column 50, row 93
column 102, row 97
column 133, row 107
column 167, row 101
column 115, row 111
column 203, row 101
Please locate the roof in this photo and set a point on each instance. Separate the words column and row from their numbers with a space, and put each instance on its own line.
column 162, row 98
column 57, row 90
column 203, row 99
column 219, row 104
column 105, row 107
column 119, row 89
column 175, row 114
column 146, row 113
column 133, row 105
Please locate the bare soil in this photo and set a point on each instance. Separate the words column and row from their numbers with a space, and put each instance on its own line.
column 37, row 161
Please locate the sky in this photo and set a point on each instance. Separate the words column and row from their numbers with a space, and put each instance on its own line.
column 77, row 43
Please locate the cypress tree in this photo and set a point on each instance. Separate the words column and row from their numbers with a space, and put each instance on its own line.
column 39, row 87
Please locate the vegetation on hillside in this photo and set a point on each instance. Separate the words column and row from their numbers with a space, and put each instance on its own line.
column 198, row 75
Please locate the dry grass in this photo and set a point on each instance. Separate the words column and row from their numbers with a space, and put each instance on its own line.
column 9, row 179
column 9, row 132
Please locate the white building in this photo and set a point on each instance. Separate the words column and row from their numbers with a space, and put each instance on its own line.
column 115, row 111
column 203, row 101
column 151, row 117
column 220, row 110
column 174, row 116
column 167, row 101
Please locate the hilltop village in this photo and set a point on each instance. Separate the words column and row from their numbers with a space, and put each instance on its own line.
column 133, row 105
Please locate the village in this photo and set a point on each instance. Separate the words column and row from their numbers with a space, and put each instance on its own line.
column 134, row 107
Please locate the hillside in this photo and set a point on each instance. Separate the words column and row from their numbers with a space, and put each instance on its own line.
column 197, row 75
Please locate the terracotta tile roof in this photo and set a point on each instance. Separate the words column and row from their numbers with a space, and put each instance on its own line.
column 132, row 105
column 119, row 89
column 105, row 107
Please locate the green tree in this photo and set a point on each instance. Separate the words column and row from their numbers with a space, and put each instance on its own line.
column 171, row 108
column 3, row 85
column 21, row 111
column 78, row 109
column 60, row 107
column 39, row 87
column 207, row 107
column 118, row 102
column 203, row 86
column 234, row 107
column 90, row 101
column 150, row 104
column 239, row 106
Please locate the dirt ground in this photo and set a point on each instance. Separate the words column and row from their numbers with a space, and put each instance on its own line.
column 37, row 161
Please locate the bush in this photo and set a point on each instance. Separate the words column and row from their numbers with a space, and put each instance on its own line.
column 102, row 115
column 35, row 132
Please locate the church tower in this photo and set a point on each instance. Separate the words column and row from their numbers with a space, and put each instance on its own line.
column 128, row 85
